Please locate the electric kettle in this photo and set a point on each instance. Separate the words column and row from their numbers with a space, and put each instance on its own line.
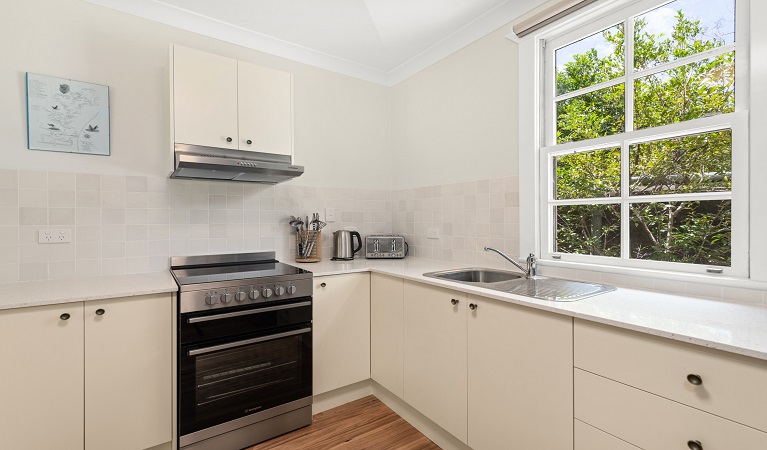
column 342, row 245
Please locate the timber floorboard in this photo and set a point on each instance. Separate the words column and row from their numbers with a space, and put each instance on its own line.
column 364, row 424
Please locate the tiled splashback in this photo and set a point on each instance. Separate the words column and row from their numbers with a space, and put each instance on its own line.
column 127, row 224
column 468, row 217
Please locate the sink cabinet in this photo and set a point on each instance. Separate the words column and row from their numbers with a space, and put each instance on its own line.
column 435, row 355
column 520, row 378
column 225, row 103
column 493, row 374
column 89, row 375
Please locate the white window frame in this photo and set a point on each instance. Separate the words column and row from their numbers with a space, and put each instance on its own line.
column 536, row 232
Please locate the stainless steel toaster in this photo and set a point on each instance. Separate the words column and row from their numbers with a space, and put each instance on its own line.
column 385, row 246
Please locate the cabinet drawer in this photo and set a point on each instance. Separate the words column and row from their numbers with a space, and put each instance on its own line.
column 590, row 438
column 733, row 386
column 655, row 423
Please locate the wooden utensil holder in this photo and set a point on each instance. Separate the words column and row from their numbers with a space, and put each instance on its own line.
column 316, row 254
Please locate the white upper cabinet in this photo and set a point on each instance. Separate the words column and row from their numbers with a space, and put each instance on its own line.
column 265, row 109
column 204, row 98
column 225, row 103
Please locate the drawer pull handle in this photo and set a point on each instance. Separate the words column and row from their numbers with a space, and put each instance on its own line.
column 472, row 306
column 695, row 380
column 323, row 284
column 65, row 316
column 694, row 445
column 454, row 301
column 100, row 312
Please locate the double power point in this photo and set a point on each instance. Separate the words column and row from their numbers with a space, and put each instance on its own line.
column 54, row 236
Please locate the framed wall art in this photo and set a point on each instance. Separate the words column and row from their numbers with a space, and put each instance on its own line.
column 67, row 116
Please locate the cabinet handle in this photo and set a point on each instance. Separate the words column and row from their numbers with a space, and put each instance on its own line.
column 454, row 302
column 323, row 284
column 100, row 312
column 228, row 139
column 248, row 142
column 694, row 380
column 694, row 445
column 472, row 306
column 65, row 316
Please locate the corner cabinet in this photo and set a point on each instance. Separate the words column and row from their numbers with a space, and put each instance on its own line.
column 341, row 331
column 222, row 102
column 386, row 332
column 88, row 376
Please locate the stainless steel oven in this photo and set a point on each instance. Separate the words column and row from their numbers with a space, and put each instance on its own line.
column 245, row 350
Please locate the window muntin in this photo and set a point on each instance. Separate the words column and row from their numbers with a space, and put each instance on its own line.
column 708, row 118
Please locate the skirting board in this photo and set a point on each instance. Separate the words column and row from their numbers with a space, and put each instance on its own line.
column 341, row 396
column 431, row 430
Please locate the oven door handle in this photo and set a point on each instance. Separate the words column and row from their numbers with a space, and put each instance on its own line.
column 246, row 313
column 215, row 348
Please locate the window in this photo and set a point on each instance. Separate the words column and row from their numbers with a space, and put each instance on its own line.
column 645, row 140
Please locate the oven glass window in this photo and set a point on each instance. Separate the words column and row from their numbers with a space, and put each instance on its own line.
column 227, row 384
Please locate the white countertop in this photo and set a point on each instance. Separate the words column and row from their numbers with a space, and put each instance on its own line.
column 51, row 292
column 732, row 327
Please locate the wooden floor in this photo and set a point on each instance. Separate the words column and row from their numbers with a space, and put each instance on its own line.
column 362, row 424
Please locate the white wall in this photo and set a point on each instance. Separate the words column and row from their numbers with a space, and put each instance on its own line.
column 457, row 120
column 339, row 121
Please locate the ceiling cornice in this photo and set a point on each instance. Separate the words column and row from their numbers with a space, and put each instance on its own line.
column 190, row 21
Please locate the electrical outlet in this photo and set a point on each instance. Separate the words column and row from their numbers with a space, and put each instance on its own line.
column 330, row 214
column 54, row 236
column 432, row 233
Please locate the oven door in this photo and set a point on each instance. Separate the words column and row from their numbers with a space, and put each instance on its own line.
column 232, row 378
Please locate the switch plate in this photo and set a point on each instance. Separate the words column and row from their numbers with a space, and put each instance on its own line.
column 54, row 236
column 330, row 214
column 432, row 233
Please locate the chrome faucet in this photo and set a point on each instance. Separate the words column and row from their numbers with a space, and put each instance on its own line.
column 532, row 261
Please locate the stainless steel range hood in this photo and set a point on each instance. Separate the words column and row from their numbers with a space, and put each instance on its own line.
column 194, row 161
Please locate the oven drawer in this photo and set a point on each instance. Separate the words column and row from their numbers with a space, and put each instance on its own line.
column 228, row 379
column 212, row 325
column 728, row 385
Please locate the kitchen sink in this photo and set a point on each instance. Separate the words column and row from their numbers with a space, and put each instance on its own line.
column 475, row 275
column 544, row 288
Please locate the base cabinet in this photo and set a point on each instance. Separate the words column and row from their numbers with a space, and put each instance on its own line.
column 128, row 364
column 590, row 438
column 42, row 399
column 520, row 378
column 89, row 376
column 340, row 331
column 386, row 332
column 435, row 355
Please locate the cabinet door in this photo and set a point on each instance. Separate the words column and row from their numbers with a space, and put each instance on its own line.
column 265, row 108
column 386, row 321
column 340, row 331
column 435, row 355
column 204, row 98
column 42, row 379
column 520, row 377
column 128, row 364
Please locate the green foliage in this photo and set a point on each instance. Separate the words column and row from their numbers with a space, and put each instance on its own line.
column 697, row 232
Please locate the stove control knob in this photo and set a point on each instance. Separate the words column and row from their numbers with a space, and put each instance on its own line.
column 291, row 290
column 240, row 296
column 226, row 298
column 254, row 294
column 266, row 292
column 211, row 299
column 279, row 290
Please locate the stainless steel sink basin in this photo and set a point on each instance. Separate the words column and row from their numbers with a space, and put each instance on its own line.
column 475, row 275
column 544, row 288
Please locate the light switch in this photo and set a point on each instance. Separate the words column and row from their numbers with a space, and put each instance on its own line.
column 330, row 215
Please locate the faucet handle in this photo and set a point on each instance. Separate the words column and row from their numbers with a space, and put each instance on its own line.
column 532, row 266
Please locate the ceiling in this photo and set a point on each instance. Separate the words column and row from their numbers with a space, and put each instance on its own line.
column 383, row 41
